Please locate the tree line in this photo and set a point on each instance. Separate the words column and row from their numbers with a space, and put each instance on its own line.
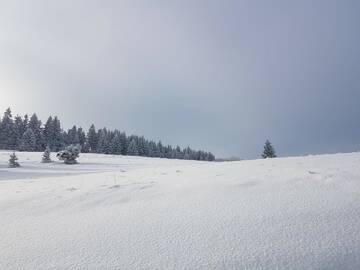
column 30, row 134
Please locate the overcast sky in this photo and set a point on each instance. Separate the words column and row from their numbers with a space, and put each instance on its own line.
column 218, row 75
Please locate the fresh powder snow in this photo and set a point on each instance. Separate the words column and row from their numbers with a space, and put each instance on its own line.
column 119, row 212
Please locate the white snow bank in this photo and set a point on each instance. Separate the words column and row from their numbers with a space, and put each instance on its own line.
column 140, row 213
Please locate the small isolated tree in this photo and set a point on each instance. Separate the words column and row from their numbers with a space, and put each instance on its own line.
column 269, row 151
column 46, row 155
column 13, row 161
column 69, row 154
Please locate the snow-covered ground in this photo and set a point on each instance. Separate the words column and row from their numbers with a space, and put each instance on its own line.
column 112, row 212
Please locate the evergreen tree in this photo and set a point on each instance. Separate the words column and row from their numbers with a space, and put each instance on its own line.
column 92, row 139
column 48, row 132
column 25, row 123
column 269, row 151
column 72, row 136
column 152, row 149
column 18, row 131
column 159, row 150
column 28, row 141
column 13, row 161
column 57, row 137
column 124, row 143
column 211, row 157
column 115, row 144
column 178, row 153
column 46, row 155
column 103, row 143
column 132, row 149
column 70, row 154
column 35, row 126
column 82, row 140
column 7, row 131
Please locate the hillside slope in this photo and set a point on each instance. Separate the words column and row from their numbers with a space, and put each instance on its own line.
column 139, row 213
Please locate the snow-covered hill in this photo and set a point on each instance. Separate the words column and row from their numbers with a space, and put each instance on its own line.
column 112, row 212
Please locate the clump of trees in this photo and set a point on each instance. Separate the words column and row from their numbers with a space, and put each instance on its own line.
column 13, row 161
column 30, row 134
column 269, row 150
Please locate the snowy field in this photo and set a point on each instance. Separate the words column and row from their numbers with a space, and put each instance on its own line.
column 113, row 212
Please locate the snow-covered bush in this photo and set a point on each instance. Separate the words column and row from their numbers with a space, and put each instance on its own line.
column 46, row 156
column 13, row 161
column 69, row 154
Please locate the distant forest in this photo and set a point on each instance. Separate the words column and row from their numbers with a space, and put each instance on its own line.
column 30, row 134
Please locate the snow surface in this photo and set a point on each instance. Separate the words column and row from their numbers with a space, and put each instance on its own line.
column 113, row 212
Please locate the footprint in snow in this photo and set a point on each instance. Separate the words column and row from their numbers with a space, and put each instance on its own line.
column 248, row 184
column 114, row 186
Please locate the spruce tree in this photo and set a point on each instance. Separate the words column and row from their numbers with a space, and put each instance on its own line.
column 28, row 141
column 82, row 140
column 269, row 151
column 72, row 136
column 48, row 132
column 46, row 155
column 57, row 137
column 70, row 154
column 115, row 144
column 18, row 131
column 124, row 143
column 103, row 142
column 92, row 139
column 132, row 149
column 35, row 125
column 13, row 161
column 7, row 131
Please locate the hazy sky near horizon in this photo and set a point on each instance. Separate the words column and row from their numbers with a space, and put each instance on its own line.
column 218, row 75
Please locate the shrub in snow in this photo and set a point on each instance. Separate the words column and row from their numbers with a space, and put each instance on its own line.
column 69, row 154
column 269, row 151
column 13, row 161
column 46, row 156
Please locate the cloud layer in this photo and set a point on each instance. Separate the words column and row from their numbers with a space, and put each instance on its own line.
column 219, row 75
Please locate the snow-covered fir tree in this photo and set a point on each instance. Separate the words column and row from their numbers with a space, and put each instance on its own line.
column 82, row 140
column 35, row 126
column 13, row 161
column 7, row 131
column 69, row 154
column 115, row 144
column 57, row 142
column 269, row 151
column 28, row 141
column 132, row 150
column 73, row 136
column 48, row 132
column 92, row 138
column 102, row 145
column 46, row 157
